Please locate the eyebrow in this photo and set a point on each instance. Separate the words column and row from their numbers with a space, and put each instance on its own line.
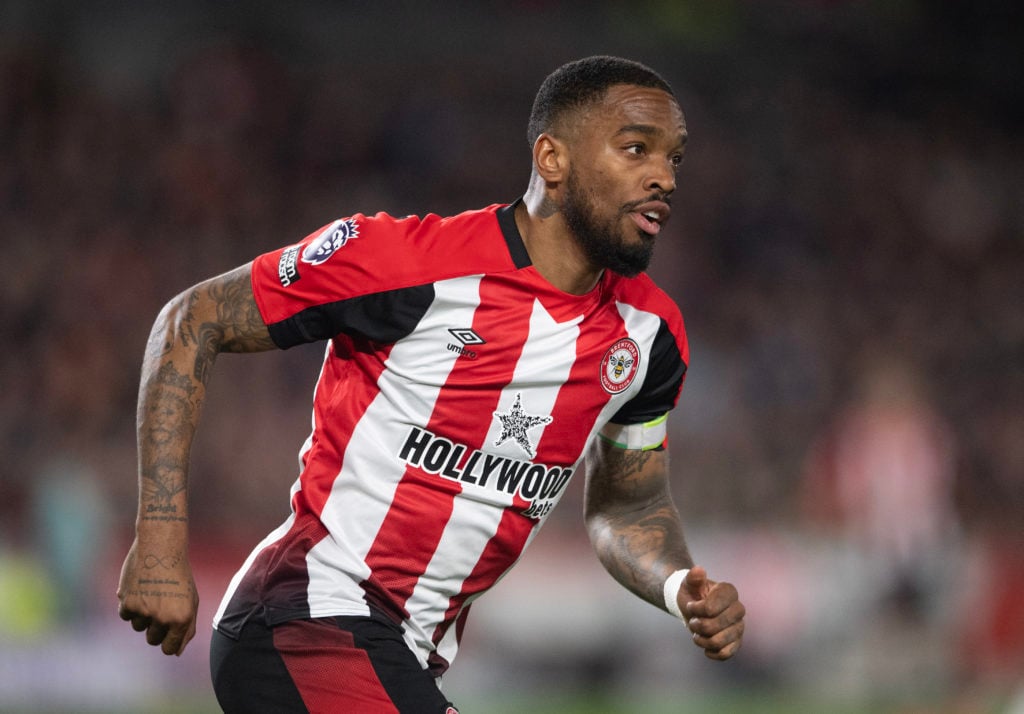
column 647, row 130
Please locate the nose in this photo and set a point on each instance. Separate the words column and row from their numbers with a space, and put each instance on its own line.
column 662, row 177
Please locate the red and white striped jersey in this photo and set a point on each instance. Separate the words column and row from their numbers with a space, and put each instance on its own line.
column 458, row 395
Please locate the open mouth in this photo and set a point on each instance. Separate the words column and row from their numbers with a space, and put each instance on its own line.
column 651, row 216
column 647, row 223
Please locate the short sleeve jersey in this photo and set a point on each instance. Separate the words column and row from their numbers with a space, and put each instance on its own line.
column 458, row 395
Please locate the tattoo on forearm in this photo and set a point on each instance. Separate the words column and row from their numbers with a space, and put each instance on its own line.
column 161, row 482
column 168, row 418
column 636, row 527
column 168, row 376
column 642, row 545
column 623, row 478
column 632, row 461
column 217, row 316
column 171, row 409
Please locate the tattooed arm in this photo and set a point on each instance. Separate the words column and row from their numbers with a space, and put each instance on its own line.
column 156, row 592
column 638, row 536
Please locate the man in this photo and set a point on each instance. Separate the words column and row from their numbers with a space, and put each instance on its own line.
column 472, row 364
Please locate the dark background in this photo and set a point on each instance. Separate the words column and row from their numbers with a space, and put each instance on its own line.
column 847, row 247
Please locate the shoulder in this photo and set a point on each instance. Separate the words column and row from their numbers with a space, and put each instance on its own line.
column 431, row 247
column 642, row 294
column 361, row 254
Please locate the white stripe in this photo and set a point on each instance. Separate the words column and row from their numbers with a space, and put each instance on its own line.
column 546, row 361
column 543, row 367
column 448, row 647
column 466, row 535
column 643, row 327
column 416, row 370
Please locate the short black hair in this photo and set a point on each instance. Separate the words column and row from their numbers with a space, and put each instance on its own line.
column 578, row 83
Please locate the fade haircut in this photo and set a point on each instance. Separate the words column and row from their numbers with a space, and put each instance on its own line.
column 577, row 84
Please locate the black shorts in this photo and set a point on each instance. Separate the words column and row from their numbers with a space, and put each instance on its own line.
column 322, row 666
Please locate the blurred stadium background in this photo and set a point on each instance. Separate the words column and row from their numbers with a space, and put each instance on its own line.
column 847, row 247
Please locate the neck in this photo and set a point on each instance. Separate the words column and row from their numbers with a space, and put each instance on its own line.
column 553, row 250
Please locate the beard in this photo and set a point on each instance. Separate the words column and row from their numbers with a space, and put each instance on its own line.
column 603, row 242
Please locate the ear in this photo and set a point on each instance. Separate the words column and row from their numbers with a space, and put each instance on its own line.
column 551, row 158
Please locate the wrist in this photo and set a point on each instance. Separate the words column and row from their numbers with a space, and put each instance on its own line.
column 161, row 514
column 161, row 529
column 673, row 583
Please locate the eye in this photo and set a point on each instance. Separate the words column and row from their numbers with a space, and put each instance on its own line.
column 676, row 160
column 636, row 149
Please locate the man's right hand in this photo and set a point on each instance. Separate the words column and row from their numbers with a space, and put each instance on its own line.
column 158, row 595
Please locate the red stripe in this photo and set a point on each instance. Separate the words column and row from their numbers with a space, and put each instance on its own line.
column 561, row 442
column 281, row 566
column 340, row 402
column 330, row 672
column 408, row 538
column 501, row 551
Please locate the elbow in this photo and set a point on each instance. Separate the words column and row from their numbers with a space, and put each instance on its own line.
column 593, row 519
column 176, row 313
column 599, row 528
column 184, row 327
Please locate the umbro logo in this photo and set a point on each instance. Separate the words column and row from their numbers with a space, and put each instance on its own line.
column 465, row 336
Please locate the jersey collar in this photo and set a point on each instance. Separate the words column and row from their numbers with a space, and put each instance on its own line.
column 513, row 239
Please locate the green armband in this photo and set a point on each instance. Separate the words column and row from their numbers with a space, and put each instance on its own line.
column 645, row 437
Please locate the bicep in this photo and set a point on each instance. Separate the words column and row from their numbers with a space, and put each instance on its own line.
column 225, row 314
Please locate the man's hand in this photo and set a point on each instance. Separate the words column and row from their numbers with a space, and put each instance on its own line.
column 158, row 595
column 713, row 612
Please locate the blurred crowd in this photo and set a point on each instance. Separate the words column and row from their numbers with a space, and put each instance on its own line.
column 847, row 248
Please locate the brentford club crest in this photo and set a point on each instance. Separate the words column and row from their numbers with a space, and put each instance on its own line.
column 619, row 366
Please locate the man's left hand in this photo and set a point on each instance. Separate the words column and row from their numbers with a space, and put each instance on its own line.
column 714, row 614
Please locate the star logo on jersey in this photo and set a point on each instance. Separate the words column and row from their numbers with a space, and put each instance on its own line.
column 515, row 423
